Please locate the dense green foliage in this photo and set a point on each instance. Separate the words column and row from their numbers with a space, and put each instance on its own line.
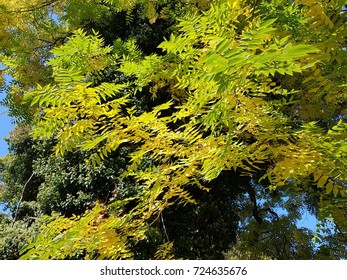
column 175, row 129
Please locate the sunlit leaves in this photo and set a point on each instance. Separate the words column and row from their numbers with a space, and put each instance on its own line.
column 83, row 53
column 228, row 81
column 91, row 236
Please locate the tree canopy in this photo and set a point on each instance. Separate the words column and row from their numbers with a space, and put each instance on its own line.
column 161, row 129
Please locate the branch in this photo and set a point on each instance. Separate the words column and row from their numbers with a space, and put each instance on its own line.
column 33, row 8
column 21, row 198
column 253, row 198
column 53, row 43
column 254, row 7
column 268, row 209
column 164, row 227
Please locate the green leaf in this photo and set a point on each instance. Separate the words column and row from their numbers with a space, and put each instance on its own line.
column 267, row 23
column 215, row 63
column 223, row 46
column 297, row 51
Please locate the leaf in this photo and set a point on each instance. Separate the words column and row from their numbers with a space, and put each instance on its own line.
column 267, row 23
column 317, row 72
column 297, row 51
column 215, row 63
column 329, row 187
column 322, row 181
column 317, row 175
column 336, row 190
column 308, row 79
column 223, row 46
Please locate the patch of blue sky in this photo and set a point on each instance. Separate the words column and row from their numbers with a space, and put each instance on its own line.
column 6, row 122
column 6, row 125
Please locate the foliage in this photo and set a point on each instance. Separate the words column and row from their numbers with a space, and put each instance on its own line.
column 91, row 236
column 276, row 233
column 14, row 236
column 17, row 168
column 243, row 102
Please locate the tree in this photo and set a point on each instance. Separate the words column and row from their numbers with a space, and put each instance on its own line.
column 237, row 106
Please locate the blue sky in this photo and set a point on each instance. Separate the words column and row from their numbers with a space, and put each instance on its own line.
column 5, row 127
column 5, row 121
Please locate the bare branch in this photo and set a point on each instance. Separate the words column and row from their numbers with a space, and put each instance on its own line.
column 21, row 198
column 164, row 227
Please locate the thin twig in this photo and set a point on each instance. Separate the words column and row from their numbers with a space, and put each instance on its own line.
column 254, row 7
column 164, row 227
column 21, row 198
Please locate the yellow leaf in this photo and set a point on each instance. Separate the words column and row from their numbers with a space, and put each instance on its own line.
column 314, row 90
column 310, row 2
column 329, row 187
column 336, row 190
column 317, row 72
column 307, row 79
column 317, row 175
column 322, row 181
